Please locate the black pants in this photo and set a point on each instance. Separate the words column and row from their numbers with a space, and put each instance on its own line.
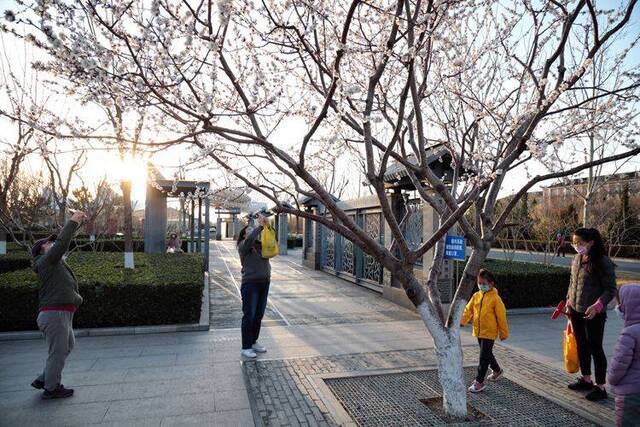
column 589, row 335
column 486, row 359
column 254, row 303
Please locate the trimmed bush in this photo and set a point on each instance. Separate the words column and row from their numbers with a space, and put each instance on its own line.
column 523, row 284
column 14, row 260
column 294, row 242
column 162, row 289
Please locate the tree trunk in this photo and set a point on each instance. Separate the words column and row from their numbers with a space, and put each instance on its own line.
column 62, row 214
column 128, row 224
column 586, row 210
column 3, row 242
column 448, row 348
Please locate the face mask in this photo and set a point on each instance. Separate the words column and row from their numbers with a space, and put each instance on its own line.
column 484, row 288
column 581, row 250
column 619, row 312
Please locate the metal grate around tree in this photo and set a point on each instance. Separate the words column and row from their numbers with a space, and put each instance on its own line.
column 394, row 399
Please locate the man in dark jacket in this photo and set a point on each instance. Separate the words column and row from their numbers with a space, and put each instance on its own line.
column 58, row 299
column 256, row 278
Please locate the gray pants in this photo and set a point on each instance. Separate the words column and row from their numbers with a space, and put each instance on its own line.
column 57, row 327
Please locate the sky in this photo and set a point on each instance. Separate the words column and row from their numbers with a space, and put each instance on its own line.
column 107, row 164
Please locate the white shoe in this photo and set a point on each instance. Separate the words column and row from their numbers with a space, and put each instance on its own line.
column 495, row 376
column 476, row 387
column 259, row 348
column 248, row 354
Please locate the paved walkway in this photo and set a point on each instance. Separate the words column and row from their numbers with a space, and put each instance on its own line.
column 196, row 378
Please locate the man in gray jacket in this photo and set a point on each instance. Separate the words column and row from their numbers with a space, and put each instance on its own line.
column 58, row 300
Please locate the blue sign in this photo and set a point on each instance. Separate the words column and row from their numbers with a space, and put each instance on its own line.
column 455, row 248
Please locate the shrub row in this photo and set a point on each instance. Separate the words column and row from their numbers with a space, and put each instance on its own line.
column 14, row 260
column 523, row 284
column 162, row 289
column 294, row 242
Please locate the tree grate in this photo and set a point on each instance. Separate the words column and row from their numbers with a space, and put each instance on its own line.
column 396, row 399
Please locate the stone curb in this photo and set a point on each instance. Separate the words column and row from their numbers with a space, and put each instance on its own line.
column 203, row 325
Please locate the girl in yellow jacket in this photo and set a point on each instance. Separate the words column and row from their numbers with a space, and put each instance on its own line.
column 489, row 321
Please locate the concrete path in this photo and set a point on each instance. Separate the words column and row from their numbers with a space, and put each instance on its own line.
column 195, row 378
column 625, row 266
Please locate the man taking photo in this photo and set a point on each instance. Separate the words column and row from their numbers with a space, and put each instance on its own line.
column 58, row 301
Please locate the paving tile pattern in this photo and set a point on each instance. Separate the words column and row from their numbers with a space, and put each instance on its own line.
column 282, row 394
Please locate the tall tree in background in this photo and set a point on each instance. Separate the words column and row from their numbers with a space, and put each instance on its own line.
column 609, row 130
column 395, row 81
column 62, row 172
column 20, row 103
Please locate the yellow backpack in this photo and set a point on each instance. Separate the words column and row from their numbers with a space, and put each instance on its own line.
column 269, row 242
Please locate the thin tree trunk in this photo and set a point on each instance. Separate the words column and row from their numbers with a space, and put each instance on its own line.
column 586, row 209
column 448, row 348
column 128, row 224
column 3, row 233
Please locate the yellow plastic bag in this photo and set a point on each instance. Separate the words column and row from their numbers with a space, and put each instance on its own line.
column 269, row 242
column 570, row 348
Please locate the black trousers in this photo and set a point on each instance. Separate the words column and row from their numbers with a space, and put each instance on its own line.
column 589, row 335
column 254, row 303
column 486, row 359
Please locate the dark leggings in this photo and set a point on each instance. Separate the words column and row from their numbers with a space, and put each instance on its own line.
column 486, row 359
column 254, row 304
column 589, row 335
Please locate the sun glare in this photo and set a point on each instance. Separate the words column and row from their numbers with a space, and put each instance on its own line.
column 133, row 169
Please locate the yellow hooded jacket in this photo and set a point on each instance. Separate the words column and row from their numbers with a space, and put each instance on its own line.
column 489, row 315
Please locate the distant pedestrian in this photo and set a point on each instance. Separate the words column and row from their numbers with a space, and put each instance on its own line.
column 489, row 316
column 256, row 278
column 561, row 245
column 58, row 299
column 624, row 372
column 174, row 244
column 592, row 287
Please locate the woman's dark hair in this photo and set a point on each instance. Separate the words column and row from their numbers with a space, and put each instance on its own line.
column 242, row 234
column 597, row 251
column 487, row 275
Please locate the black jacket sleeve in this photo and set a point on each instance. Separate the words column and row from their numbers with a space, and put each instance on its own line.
column 246, row 245
column 61, row 244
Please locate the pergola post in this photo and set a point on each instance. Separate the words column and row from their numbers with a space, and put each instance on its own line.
column 198, row 243
column 283, row 232
column 235, row 226
column 207, row 233
column 218, row 227
column 192, row 224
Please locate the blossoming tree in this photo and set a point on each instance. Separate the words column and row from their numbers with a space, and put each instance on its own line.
column 383, row 82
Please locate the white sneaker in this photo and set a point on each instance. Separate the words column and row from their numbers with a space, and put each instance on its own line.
column 495, row 376
column 248, row 353
column 477, row 387
column 259, row 348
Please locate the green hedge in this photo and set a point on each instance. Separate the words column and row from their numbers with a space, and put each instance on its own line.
column 13, row 261
column 83, row 244
column 294, row 242
column 523, row 284
column 162, row 289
